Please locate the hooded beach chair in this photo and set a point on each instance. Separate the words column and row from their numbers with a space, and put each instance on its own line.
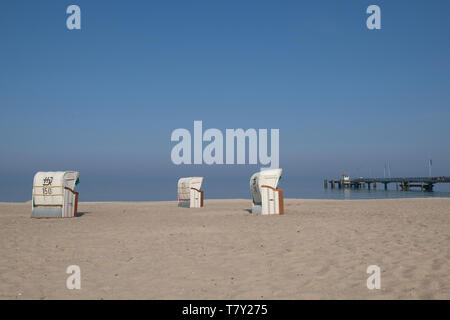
column 190, row 194
column 267, row 199
column 54, row 195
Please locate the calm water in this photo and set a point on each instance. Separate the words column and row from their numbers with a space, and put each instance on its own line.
column 111, row 188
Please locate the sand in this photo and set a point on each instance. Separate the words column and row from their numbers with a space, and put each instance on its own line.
column 320, row 249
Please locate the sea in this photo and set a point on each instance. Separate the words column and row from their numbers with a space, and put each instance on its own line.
column 152, row 189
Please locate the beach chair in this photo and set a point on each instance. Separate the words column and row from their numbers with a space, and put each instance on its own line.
column 190, row 194
column 54, row 195
column 267, row 198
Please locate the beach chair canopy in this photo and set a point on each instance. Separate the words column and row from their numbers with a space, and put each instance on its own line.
column 186, row 184
column 263, row 178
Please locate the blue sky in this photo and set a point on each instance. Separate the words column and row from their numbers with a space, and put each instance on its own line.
column 104, row 100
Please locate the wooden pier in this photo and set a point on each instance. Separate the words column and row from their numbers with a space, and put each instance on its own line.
column 404, row 184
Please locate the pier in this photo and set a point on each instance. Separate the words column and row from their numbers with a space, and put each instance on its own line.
column 404, row 184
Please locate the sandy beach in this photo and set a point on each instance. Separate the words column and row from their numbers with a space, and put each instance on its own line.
column 319, row 249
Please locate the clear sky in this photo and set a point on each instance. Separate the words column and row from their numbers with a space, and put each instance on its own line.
column 104, row 100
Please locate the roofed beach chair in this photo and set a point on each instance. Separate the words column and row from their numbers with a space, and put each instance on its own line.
column 267, row 199
column 54, row 195
column 190, row 194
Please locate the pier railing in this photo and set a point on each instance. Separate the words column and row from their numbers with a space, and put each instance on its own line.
column 405, row 184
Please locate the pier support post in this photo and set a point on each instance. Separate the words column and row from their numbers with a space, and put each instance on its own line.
column 332, row 184
column 325, row 184
column 385, row 186
column 405, row 186
column 374, row 184
column 368, row 185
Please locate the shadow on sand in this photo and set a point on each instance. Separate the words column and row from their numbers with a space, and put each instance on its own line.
column 80, row 214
